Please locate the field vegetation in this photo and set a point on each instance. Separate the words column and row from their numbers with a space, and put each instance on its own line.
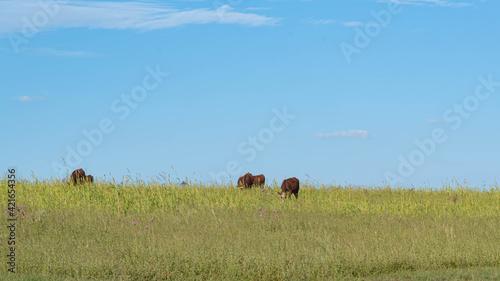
column 167, row 231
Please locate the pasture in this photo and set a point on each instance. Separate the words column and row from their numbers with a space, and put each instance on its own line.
column 213, row 232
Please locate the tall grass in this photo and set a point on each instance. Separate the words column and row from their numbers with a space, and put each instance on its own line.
column 458, row 200
column 205, row 231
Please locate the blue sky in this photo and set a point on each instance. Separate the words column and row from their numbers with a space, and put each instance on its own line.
column 335, row 91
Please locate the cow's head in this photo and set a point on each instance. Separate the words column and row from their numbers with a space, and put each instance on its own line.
column 283, row 196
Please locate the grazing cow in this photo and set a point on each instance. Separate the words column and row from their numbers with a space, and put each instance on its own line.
column 90, row 178
column 245, row 181
column 259, row 180
column 78, row 176
column 288, row 187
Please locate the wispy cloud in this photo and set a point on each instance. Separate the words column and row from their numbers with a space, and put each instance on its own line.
column 435, row 121
column 352, row 23
column 29, row 99
column 330, row 21
column 420, row 29
column 257, row 8
column 345, row 134
column 62, row 53
column 121, row 15
column 320, row 21
column 442, row 3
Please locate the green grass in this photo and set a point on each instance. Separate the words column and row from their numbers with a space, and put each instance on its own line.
column 208, row 232
column 480, row 274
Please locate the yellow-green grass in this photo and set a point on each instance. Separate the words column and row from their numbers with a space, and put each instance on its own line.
column 469, row 274
column 209, row 232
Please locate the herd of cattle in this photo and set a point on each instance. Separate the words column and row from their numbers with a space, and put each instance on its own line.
column 288, row 187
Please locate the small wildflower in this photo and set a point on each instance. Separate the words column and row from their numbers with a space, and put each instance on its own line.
column 147, row 227
column 260, row 208
column 139, row 232
column 388, row 213
column 265, row 211
column 276, row 217
column 391, row 219
column 261, row 216
column 380, row 215
column 151, row 220
column 134, row 223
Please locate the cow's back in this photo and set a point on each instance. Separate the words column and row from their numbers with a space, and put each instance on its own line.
column 259, row 180
column 290, row 185
column 90, row 178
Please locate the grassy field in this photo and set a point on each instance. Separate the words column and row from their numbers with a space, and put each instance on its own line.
column 211, row 232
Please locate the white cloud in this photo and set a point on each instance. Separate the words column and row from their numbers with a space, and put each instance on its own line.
column 321, row 21
column 257, row 8
column 345, row 134
column 443, row 3
column 29, row 99
column 330, row 21
column 119, row 15
column 352, row 23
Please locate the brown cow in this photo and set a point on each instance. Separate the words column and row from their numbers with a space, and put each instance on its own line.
column 259, row 180
column 90, row 178
column 245, row 181
column 288, row 187
column 78, row 176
